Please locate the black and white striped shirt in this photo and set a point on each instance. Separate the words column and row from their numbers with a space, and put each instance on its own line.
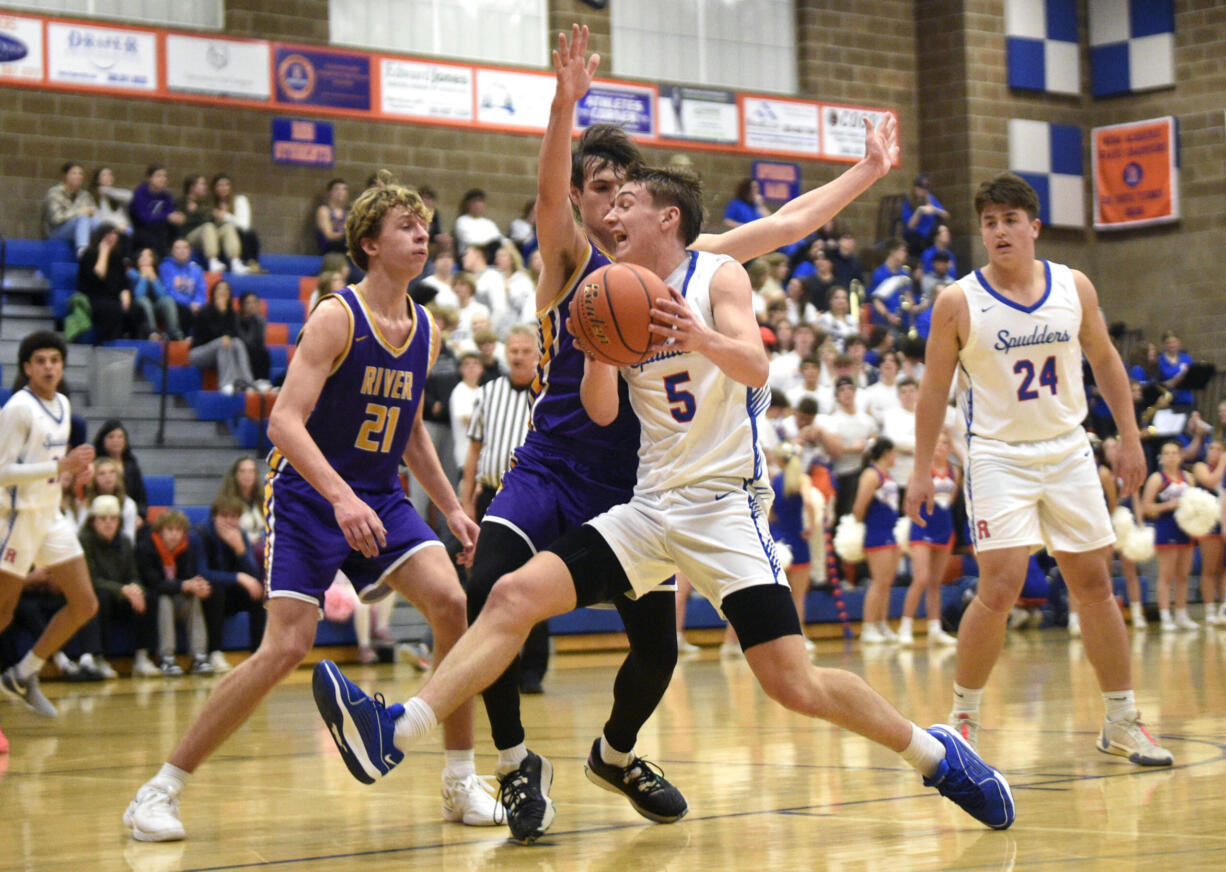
column 499, row 422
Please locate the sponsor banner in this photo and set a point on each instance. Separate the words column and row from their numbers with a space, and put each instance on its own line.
column 102, row 57
column 843, row 130
column 21, row 48
column 1136, row 174
column 627, row 106
column 777, row 181
column 782, row 125
column 424, row 90
column 218, row 66
column 699, row 114
column 309, row 77
column 514, row 99
column 298, row 141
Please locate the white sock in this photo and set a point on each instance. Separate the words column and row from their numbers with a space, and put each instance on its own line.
column 510, row 758
column 614, row 757
column 1165, row 615
column 904, row 625
column 934, row 627
column 1181, row 615
column 967, row 700
column 417, row 720
column 458, row 764
column 925, row 752
column 171, row 778
column 29, row 665
column 1120, row 704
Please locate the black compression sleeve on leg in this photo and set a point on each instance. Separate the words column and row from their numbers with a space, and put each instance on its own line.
column 651, row 628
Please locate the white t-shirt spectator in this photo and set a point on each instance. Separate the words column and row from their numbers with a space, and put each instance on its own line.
column 474, row 231
column 878, row 399
column 898, row 425
column 463, row 398
column 851, row 429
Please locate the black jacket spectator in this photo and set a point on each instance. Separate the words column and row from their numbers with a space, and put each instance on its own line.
column 133, row 481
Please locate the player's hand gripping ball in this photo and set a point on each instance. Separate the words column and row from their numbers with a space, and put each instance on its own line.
column 612, row 313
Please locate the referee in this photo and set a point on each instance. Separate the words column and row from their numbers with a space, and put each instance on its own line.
column 498, row 426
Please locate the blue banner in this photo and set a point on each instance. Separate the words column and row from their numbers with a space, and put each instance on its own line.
column 627, row 107
column 776, row 180
column 322, row 78
column 297, row 141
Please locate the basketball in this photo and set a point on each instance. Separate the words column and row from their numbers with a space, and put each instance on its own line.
column 614, row 312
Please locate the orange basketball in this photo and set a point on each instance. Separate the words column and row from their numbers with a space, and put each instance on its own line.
column 614, row 312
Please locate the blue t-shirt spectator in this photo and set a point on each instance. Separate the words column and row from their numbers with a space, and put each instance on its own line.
column 930, row 252
column 740, row 212
column 1168, row 369
column 184, row 281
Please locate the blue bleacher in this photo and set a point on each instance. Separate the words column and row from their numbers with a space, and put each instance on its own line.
column 159, row 489
column 179, row 379
column 269, row 287
column 291, row 264
column 214, row 405
column 38, row 254
column 196, row 514
column 285, row 311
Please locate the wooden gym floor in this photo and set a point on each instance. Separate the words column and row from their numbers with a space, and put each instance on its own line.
column 767, row 789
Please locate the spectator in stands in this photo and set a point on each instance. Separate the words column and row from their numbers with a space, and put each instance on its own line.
column 168, row 563
column 112, row 202
column 523, row 230
column 234, row 210
column 229, row 566
column 846, row 264
column 890, row 287
column 746, row 205
column 465, row 287
column 155, row 221
column 800, row 310
column 1173, row 366
column 777, row 276
column 101, row 278
column 197, row 227
column 69, row 211
column 472, row 227
column 108, row 481
column 460, row 404
column 882, row 395
column 330, row 218
column 148, row 292
column 436, row 287
column 822, row 280
column 251, row 327
column 216, row 342
column 839, row 322
column 940, row 245
column 921, row 212
column 857, row 365
column 898, row 425
column 112, row 441
column 520, row 288
column 853, row 428
column 327, row 282
column 111, row 558
column 880, row 343
column 937, row 273
column 492, row 352
column 242, row 482
column 183, row 279
column 491, row 285
column 437, row 237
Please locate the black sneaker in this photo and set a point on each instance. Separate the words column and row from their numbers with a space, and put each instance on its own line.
column 524, row 793
column 642, row 783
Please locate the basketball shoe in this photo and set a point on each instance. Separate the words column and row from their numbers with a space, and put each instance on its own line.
column 1129, row 738
column 27, row 691
column 153, row 816
column 469, row 801
column 977, row 788
column 966, row 725
column 362, row 727
column 641, row 782
column 524, row 793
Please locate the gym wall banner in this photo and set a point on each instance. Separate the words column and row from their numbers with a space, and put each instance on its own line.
column 1136, row 174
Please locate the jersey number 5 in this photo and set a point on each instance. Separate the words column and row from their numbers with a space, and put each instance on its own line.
column 681, row 403
column 382, row 423
column 1047, row 378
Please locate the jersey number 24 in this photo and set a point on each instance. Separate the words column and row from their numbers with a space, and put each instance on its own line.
column 1047, row 378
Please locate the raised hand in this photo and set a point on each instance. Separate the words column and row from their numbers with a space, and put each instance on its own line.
column 881, row 143
column 572, row 66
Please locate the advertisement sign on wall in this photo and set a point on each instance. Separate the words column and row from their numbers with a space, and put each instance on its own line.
column 627, row 106
column 298, row 141
column 511, row 99
column 102, row 57
column 21, row 48
column 782, row 125
column 843, row 130
column 698, row 114
column 322, row 78
column 217, row 66
column 425, row 90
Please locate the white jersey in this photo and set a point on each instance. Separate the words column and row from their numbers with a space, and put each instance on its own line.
column 1019, row 374
column 696, row 422
column 33, row 439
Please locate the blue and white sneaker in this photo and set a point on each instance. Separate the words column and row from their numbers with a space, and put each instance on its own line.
column 976, row 787
column 363, row 727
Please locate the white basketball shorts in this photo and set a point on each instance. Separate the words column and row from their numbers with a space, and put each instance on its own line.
column 36, row 538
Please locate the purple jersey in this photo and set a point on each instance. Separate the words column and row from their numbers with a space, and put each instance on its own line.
column 365, row 411
column 558, row 417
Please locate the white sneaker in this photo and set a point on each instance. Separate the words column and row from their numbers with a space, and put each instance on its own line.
column 870, row 635
column 888, row 632
column 1074, row 625
column 263, row 385
column 1138, row 618
column 64, row 664
column 1168, row 626
column 238, row 267
column 967, row 726
column 685, row 646
column 105, row 669
column 1212, row 616
column 1183, row 622
column 940, row 637
column 469, row 800
column 153, row 816
column 730, row 650
column 1129, row 738
column 906, row 637
column 219, row 662
column 228, row 390
column 1018, row 618
column 215, row 265
column 142, row 666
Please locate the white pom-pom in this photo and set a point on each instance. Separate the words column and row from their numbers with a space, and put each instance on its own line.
column 783, row 553
column 1139, row 546
column 1123, row 524
column 1198, row 511
column 902, row 533
column 849, row 539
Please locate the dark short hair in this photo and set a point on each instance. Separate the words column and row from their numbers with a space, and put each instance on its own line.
column 226, row 505
column 36, row 341
column 807, row 405
column 843, row 380
column 1010, row 190
column 600, row 146
column 67, row 165
column 673, row 186
column 941, row 256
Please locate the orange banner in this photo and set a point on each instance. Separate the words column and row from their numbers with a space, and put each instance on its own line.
column 1136, row 174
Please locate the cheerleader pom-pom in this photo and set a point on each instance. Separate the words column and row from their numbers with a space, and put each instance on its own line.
column 902, row 533
column 849, row 539
column 1123, row 524
column 784, row 555
column 339, row 601
column 1139, row 547
column 1198, row 511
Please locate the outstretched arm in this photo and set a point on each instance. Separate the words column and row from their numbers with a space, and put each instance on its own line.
column 808, row 212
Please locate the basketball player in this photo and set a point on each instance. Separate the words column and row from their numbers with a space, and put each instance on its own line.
column 696, row 508
column 569, row 470
column 349, row 411
column 1016, row 332
column 34, row 454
